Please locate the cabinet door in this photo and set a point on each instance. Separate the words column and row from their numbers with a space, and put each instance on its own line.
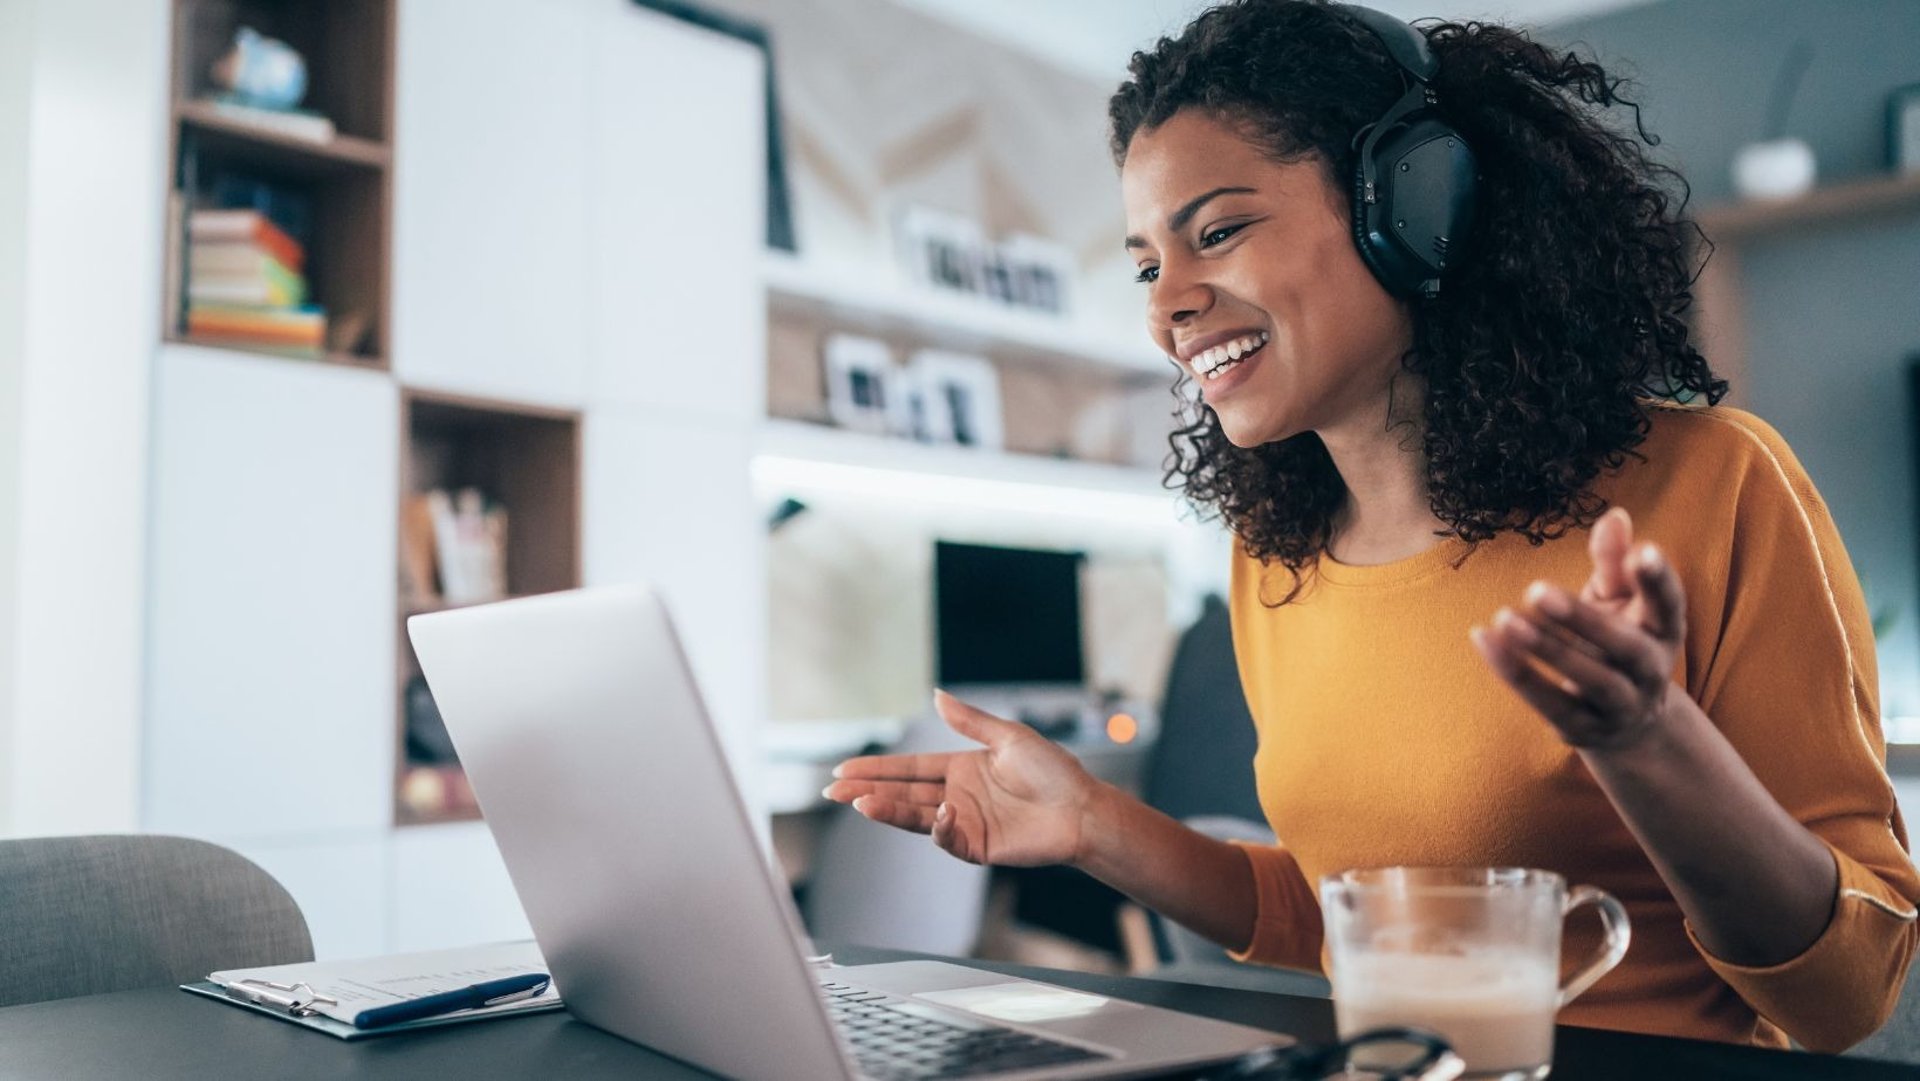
column 450, row 888
column 678, row 182
column 270, row 689
column 339, row 882
column 668, row 501
column 490, row 259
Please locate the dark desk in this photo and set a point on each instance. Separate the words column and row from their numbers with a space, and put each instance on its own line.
column 166, row 1033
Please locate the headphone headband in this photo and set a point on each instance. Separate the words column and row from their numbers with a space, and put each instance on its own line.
column 1414, row 176
column 1407, row 46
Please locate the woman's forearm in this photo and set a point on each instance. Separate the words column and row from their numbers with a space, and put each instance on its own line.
column 1190, row 878
column 1757, row 887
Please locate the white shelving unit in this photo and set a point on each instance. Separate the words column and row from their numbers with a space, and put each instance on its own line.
column 270, row 704
column 857, row 300
column 796, row 457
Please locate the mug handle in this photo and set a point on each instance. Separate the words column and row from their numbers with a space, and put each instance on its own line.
column 1613, row 918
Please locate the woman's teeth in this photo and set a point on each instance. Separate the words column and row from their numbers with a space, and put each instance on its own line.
column 1217, row 360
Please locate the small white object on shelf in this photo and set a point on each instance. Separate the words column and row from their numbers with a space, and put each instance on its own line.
column 1776, row 169
column 958, row 395
column 877, row 301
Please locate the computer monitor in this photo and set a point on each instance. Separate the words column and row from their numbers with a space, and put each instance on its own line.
column 1007, row 616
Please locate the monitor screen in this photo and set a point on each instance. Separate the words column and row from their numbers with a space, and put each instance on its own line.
column 1006, row 615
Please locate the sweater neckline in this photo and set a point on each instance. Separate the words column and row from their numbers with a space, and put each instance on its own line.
column 1445, row 552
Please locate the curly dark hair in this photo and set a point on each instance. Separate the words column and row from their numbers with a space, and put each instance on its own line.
column 1564, row 317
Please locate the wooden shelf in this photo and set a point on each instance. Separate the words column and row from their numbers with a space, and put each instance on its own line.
column 527, row 458
column 351, row 360
column 848, row 298
column 251, row 144
column 1840, row 202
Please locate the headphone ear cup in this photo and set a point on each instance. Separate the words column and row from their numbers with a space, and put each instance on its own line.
column 1363, row 227
column 1425, row 186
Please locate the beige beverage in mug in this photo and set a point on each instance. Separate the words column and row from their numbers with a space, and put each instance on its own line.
column 1470, row 953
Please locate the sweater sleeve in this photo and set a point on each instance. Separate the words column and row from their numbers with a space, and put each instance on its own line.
column 1286, row 922
column 1790, row 678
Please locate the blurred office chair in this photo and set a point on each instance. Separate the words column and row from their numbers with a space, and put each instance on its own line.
column 88, row 915
column 1203, row 759
column 1899, row 1039
column 1202, row 774
column 874, row 885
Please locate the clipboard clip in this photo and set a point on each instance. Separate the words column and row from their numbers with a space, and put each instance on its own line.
column 298, row 999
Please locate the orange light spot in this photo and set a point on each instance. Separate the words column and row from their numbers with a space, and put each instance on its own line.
column 1122, row 728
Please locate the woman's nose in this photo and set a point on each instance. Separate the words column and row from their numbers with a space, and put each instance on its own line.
column 1178, row 298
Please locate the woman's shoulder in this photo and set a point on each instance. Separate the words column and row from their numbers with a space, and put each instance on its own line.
column 1724, row 428
column 1703, row 456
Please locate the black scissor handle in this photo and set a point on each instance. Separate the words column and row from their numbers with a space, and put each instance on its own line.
column 1431, row 1058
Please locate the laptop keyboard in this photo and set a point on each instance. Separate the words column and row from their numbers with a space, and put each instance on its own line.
column 897, row 1040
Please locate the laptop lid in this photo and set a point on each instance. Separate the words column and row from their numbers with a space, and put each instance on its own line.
column 580, row 726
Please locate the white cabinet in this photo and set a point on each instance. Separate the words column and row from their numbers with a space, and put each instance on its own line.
column 271, row 625
column 668, row 501
column 450, row 888
column 494, row 120
column 678, row 180
column 340, row 884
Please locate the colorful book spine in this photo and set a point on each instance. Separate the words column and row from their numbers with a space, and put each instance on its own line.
column 246, row 227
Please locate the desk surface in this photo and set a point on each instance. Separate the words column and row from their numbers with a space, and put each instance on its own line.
column 165, row 1033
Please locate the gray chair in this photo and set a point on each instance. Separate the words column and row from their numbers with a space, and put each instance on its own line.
column 874, row 885
column 1202, row 774
column 88, row 915
column 1899, row 1039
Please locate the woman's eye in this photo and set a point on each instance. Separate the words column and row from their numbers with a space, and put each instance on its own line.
column 1219, row 236
column 1147, row 275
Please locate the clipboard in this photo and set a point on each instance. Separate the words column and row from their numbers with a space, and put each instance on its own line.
column 306, row 994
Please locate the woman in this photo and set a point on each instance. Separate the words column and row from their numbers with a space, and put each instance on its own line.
column 1454, row 650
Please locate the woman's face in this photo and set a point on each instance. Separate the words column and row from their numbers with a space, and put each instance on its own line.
column 1238, row 250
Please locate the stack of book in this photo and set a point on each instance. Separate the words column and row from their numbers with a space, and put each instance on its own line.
column 245, row 285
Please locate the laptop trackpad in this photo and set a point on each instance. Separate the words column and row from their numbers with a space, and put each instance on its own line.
column 1022, row 1003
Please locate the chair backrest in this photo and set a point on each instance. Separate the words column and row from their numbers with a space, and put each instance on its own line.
column 874, row 885
column 1899, row 1039
column 87, row 915
column 1203, row 759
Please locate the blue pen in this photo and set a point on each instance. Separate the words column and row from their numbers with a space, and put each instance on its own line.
column 490, row 993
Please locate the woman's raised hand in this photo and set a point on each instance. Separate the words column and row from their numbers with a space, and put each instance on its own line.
column 1019, row 801
column 1598, row 665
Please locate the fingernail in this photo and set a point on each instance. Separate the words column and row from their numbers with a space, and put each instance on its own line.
column 827, row 792
column 940, row 815
column 836, row 771
column 1513, row 624
column 860, row 804
column 1650, row 558
column 1548, row 599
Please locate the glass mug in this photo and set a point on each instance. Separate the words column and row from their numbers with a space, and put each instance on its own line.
column 1472, row 953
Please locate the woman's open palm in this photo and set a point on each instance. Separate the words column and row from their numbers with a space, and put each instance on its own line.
column 1017, row 802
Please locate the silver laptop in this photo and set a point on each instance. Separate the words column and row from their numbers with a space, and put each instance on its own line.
column 587, row 745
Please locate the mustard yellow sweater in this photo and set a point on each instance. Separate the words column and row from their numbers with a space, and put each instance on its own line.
column 1384, row 739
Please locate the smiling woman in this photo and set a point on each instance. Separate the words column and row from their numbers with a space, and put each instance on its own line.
column 1433, row 304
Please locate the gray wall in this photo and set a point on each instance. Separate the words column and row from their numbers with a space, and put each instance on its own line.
column 1833, row 313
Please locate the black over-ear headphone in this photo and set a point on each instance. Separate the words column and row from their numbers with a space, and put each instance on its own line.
column 1414, row 175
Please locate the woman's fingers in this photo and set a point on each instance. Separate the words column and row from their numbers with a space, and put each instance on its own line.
column 1594, row 682
column 1552, row 699
column 1619, row 641
column 895, row 767
column 957, row 828
column 927, row 792
column 1666, row 599
column 1608, row 545
column 917, row 817
column 976, row 724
